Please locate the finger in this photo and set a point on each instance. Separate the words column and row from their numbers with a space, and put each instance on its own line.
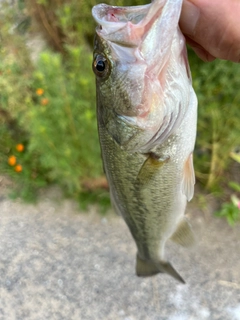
column 200, row 51
column 214, row 25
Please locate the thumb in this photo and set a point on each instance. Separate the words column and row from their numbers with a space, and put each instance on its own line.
column 212, row 28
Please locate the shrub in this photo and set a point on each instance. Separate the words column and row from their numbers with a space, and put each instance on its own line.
column 49, row 109
column 69, row 22
column 15, row 99
column 55, row 118
column 62, row 121
column 216, row 85
column 231, row 209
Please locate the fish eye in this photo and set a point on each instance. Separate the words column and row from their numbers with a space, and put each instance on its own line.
column 100, row 66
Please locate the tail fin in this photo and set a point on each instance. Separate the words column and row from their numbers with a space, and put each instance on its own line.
column 146, row 268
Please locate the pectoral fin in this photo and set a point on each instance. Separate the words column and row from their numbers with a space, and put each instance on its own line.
column 149, row 167
column 188, row 178
column 184, row 234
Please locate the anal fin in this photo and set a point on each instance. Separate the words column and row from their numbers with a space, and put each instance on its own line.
column 184, row 234
column 188, row 178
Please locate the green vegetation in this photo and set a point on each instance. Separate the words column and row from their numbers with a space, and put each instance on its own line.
column 49, row 106
column 50, row 109
column 69, row 22
column 216, row 85
column 231, row 209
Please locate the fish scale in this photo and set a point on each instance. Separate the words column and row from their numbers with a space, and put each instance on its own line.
column 147, row 113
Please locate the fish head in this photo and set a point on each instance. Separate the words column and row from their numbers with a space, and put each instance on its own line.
column 120, row 73
column 133, row 47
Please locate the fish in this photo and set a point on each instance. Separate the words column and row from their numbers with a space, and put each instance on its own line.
column 147, row 118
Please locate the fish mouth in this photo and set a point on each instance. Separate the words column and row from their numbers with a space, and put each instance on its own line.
column 126, row 25
column 116, row 17
column 138, row 26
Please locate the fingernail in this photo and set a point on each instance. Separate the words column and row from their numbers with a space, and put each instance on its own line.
column 189, row 18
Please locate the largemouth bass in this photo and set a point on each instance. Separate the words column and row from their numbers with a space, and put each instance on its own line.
column 147, row 113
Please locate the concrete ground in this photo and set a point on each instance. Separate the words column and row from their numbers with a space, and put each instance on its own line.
column 60, row 264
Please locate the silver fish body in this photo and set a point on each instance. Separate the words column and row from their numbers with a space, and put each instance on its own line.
column 147, row 113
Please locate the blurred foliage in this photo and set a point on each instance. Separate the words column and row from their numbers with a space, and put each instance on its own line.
column 15, row 99
column 62, row 121
column 231, row 209
column 49, row 107
column 218, row 134
column 68, row 22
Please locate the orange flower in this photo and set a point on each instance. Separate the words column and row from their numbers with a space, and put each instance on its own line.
column 20, row 147
column 44, row 101
column 39, row 91
column 18, row 168
column 12, row 160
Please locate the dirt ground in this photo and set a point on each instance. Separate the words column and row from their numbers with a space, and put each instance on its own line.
column 59, row 263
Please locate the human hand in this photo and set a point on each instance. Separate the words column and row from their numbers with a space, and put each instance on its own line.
column 212, row 28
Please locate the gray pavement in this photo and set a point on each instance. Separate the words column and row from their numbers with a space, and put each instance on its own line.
column 58, row 263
